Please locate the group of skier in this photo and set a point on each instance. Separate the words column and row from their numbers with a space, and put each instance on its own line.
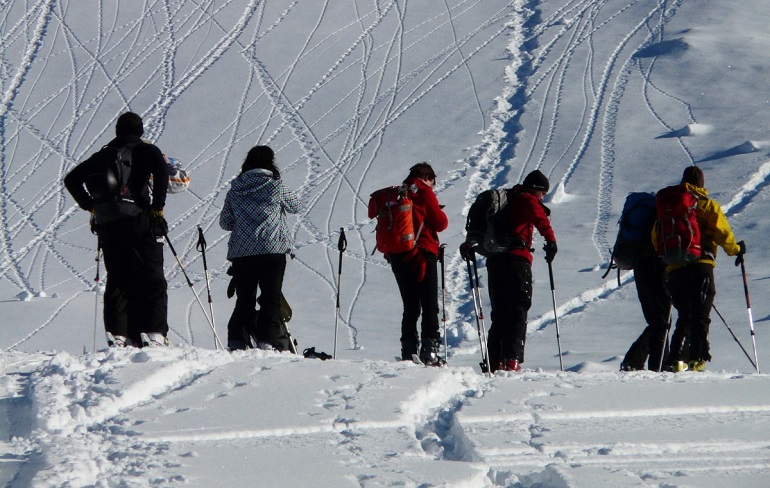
column 127, row 215
column 688, row 286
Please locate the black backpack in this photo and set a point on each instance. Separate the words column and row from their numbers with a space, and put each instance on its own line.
column 487, row 223
column 108, row 185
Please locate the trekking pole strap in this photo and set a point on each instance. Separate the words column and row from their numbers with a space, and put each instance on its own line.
column 201, row 246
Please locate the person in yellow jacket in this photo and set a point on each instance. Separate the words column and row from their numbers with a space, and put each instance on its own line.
column 692, row 286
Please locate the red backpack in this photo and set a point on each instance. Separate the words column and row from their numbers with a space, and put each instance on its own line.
column 677, row 231
column 392, row 206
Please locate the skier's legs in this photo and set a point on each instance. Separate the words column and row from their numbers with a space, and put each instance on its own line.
column 429, row 299
column 406, row 279
column 246, row 280
column 269, row 327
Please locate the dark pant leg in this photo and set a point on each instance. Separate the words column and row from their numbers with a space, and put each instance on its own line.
column 692, row 291
column 115, row 311
column 116, row 240
column 428, row 290
column 241, row 323
column 510, row 291
column 651, row 288
column 152, row 294
column 701, row 318
column 408, row 287
column 269, row 327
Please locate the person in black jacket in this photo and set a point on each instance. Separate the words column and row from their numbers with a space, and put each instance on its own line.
column 128, row 220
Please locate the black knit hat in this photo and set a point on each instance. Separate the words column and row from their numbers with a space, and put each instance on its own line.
column 537, row 181
column 129, row 124
column 694, row 176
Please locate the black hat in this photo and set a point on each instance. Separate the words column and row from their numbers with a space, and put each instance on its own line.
column 694, row 176
column 129, row 124
column 536, row 181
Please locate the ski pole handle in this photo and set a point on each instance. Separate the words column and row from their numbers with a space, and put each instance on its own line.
column 201, row 246
column 342, row 244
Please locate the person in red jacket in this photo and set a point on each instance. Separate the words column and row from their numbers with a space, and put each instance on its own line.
column 416, row 271
column 510, row 273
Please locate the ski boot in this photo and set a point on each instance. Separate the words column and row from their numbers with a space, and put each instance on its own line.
column 429, row 353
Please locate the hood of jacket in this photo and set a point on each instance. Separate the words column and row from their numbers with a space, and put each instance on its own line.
column 252, row 181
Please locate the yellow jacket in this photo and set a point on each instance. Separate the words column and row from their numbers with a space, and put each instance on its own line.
column 714, row 228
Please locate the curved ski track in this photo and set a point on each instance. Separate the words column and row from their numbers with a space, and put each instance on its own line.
column 335, row 148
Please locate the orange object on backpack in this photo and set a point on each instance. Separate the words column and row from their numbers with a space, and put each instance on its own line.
column 392, row 206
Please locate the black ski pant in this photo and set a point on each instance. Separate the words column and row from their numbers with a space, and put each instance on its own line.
column 263, row 271
column 136, row 292
column 652, row 290
column 420, row 298
column 692, row 291
column 510, row 295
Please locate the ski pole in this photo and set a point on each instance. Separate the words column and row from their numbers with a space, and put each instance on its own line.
column 189, row 283
column 96, row 288
column 555, row 316
column 342, row 244
column 481, row 313
column 443, row 298
column 665, row 342
column 748, row 307
column 666, row 347
column 735, row 337
column 201, row 247
column 485, row 362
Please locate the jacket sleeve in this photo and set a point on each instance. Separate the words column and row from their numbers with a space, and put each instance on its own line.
column 227, row 217
column 719, row 229
column 74, row 181
column 289, row 200
column 159, row 171
column 542, row 222
column 435, row 218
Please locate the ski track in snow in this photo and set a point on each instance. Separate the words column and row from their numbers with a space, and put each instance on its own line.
column 377, row 100
column 332, row 156
column 85, row 422
column 94, row 56
column 336, row 150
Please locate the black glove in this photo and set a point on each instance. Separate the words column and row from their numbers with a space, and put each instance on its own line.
column 92, row 223
column 550, row 251
column 466, row 250
column 158, row 224
column 739, row 258
column 231, row 284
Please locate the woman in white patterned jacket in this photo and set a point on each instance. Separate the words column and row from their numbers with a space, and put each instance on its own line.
column 255, row 212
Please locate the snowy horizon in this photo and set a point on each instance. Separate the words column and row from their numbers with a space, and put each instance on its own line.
column 605, row 98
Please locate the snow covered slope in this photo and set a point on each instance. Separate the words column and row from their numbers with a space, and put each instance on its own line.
column 605, row 97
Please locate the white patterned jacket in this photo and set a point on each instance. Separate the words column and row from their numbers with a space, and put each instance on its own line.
column 255, row 212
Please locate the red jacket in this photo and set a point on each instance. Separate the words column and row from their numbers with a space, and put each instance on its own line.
column 428, row 213
column 525, row 213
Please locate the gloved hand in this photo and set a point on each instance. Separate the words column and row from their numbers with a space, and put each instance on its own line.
column 92, row 223
column 231, row 284
column 158, row 224
column 739, row 258
column 466, row 250
column 550, row 251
